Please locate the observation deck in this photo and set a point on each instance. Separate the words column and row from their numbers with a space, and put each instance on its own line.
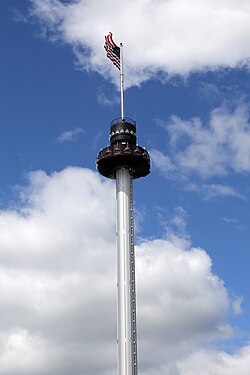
column 123, row 151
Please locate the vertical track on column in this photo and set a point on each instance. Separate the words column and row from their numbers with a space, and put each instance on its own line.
column 133, row 285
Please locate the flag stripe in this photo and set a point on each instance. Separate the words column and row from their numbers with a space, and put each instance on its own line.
column 113, row 51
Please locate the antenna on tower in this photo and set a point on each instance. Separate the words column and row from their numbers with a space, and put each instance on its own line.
column 122, row 82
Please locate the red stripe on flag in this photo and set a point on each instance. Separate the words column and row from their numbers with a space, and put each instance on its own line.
column 109, row 46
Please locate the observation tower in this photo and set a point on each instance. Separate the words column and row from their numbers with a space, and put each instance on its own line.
column 124, row 160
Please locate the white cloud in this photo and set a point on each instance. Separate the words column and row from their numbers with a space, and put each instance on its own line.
column 163, row 163
column 171, row 37
column 70, row 135
column 235, row 223
column 214, row 190
column 210, row 150
column 204, row 362
column 237, row 305
column 58, row 286
column 106, row 99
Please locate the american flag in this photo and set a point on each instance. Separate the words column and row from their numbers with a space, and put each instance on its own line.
column 113, row 51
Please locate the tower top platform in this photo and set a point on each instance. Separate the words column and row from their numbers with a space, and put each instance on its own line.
column 123, row 151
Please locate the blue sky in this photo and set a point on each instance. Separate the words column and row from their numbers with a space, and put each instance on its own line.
column 187, row 77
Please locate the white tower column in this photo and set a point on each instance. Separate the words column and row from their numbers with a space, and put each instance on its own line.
column 126, row 306
column 124, row 160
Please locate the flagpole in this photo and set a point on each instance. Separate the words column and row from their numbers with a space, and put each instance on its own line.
column 121, row 81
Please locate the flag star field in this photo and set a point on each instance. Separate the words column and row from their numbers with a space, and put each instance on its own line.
column 187, row 85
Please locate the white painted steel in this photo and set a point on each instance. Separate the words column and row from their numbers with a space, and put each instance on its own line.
column 126, row 307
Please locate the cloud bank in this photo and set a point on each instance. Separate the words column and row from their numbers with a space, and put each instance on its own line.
column 161, row 38
column 58, row 288
column 215, row 149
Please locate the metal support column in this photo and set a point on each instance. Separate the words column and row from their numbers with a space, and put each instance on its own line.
column 126, row 309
